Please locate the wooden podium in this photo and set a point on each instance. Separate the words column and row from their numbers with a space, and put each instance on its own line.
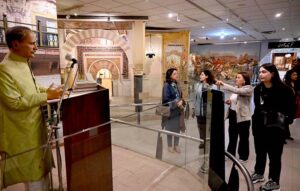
column 88, row 155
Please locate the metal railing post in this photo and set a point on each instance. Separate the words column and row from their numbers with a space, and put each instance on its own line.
column 39, row 29
column 5, row 23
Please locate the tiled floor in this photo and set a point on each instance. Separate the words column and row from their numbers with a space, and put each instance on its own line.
column 135, row 172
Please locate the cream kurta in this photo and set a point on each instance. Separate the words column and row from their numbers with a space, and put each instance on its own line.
column 21, row 122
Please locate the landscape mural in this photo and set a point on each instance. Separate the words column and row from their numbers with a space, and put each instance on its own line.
column 225, row 61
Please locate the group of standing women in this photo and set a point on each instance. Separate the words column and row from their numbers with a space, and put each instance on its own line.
column 273, row 100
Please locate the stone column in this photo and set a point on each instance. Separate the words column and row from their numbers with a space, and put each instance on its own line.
column 138, row 59
column 138, row 46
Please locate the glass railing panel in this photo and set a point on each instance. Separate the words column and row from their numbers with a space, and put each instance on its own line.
column 88, row 159
column 141, row 138
column 127, row 163
column 154, row 144
column 133, row 158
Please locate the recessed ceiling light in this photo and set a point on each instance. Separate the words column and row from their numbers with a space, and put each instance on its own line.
column 75, row 14
column 283, row 28
column 245, row 42
column 170, row 15
column 234, row 38
column 222, row 37
column 203, row 27
column 241, row 27
column 227, row 19
column 277, row 15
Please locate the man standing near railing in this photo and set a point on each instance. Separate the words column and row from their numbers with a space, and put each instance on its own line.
column 21, row 122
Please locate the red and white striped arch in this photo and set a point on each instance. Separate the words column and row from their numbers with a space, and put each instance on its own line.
column 75, row 39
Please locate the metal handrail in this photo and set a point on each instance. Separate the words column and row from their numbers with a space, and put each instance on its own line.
column 242, row 168
column 132, row 104
column 245, row 172
column 158, row 130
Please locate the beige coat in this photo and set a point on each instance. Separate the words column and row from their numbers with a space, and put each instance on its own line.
column 244, row 93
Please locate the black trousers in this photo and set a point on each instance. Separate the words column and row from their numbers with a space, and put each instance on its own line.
column 201, row 123
column 240, row 130
column 268, row 141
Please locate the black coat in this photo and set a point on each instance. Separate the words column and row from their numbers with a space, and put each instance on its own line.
column 275, row 99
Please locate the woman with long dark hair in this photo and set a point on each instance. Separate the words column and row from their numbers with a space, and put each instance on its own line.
column 290, row 79
column 173, row 96
column 273, row 110
column 239, row 114
column 206, row 82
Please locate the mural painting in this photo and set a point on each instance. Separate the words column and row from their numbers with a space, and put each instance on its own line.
column 225, row 62
column 225, row 67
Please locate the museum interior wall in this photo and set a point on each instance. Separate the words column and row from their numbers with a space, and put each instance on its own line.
column 40, row 16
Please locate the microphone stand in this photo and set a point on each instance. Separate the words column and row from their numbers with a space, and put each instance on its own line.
column 54, row 127
column 65, row 85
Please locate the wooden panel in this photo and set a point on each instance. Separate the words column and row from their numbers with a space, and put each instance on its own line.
column 88, row 155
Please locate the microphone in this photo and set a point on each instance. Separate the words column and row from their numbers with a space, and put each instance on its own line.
column 69, row 57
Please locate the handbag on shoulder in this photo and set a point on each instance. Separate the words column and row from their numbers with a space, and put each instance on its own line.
column 162, row 110
column 274, row 119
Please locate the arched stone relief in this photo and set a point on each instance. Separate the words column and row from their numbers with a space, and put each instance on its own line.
column 118, row 41
column 95, row 33
column 104, row 64
column 103, row 53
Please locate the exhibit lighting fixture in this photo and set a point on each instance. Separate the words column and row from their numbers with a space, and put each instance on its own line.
column 150, row 53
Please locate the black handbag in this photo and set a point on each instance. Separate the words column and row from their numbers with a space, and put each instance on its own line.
column 274, row 119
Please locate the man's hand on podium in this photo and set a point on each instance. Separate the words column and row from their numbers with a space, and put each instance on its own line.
column 54, row 92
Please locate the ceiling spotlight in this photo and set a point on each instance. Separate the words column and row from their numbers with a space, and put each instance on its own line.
column 227, row 20
column 245, row 42
column 234, row 38
column 283, row 28
column 222, row 37
column 75, row 14
column 203, row 27
column 277, row 15
column 170, row 15
column 241, row 27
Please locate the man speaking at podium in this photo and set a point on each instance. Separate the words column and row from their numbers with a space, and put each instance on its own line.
column 21, row 122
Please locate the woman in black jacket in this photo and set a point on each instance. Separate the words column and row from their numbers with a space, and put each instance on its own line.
column 273, row 100
column 172, row 95
column 290, row 79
